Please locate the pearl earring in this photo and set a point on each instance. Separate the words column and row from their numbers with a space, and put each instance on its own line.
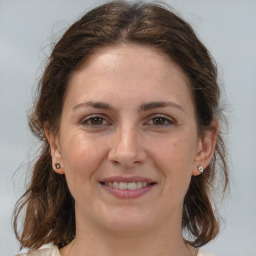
column 200, row 169
column 57, row 165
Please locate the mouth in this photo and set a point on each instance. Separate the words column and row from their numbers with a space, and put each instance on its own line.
column 123, row 187
column 128, row 185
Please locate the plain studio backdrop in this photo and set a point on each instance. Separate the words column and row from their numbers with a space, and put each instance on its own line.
column 227, row 27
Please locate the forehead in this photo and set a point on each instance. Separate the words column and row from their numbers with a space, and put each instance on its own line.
column 122, row 69
column 135, row 55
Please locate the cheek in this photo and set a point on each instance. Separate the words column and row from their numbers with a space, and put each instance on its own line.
column 175, row 160
column 175, row 152
column 81, row 158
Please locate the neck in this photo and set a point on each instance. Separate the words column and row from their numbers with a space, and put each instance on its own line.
column 129, row 246
column 164, row 241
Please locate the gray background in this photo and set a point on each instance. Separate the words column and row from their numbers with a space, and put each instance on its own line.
column 227, row 27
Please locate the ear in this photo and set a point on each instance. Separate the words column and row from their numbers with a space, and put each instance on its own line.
column 206, row 148
column 55, row 151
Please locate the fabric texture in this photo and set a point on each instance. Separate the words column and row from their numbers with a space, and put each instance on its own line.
column 45, row 251
column 202, row 252
column 54, row 251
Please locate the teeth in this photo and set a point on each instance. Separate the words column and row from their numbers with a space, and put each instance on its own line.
column 127, row 185
column 131, row 185
column 139, row 184
column 123, row 185
column 115, row 184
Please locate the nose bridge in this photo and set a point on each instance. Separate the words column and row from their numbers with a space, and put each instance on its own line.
column 126, row 146
column 128, row 139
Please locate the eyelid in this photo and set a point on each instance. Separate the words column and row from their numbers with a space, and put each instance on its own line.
column 98, row 115
column 107, row 120
column 170, row 120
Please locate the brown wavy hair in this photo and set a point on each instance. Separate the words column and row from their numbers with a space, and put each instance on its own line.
column 47, row 202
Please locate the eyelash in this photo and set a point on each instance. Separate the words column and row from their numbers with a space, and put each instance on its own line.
column 88, row 121
column 166, row 121
column 85, row 121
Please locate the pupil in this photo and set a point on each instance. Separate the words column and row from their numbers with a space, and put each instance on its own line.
column 158, row 120
column 96, row 120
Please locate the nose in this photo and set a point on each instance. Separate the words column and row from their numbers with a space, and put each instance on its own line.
column 126, row 148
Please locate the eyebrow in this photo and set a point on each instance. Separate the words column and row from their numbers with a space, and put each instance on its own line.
column 159, row 104
column 94, row 104
column 143, row 107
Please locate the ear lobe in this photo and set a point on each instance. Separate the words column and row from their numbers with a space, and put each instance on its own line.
column 206, row 148
column 55, row 151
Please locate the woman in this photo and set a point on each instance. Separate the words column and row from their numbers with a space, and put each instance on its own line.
column 128, row 114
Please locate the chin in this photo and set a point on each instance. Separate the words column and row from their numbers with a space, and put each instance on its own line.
column 129, row 221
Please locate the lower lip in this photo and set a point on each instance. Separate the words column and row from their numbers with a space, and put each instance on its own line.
column 125, row 193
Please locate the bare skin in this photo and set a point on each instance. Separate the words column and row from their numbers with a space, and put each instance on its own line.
column 129, row 118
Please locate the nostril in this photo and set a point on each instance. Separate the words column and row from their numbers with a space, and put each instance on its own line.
column 127, row 153
column 115, row 162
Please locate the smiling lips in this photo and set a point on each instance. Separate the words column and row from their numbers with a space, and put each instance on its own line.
column 123, row 187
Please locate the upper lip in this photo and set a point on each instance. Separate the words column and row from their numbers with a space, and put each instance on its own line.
column 127, row 179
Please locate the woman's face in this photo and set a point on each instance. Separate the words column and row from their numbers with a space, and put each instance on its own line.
column 128, row 141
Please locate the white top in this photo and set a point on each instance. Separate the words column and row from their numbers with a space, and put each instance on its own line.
column 54, row 251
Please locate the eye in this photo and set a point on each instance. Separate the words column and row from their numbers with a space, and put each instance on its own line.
column 160, row 121
column 94, row 121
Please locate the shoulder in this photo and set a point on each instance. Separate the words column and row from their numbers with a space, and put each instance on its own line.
column 54, row 251
column 202, row 252
column 44, row 251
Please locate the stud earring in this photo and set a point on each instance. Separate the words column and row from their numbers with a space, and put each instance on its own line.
column 57, row 165
column 200, row 169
